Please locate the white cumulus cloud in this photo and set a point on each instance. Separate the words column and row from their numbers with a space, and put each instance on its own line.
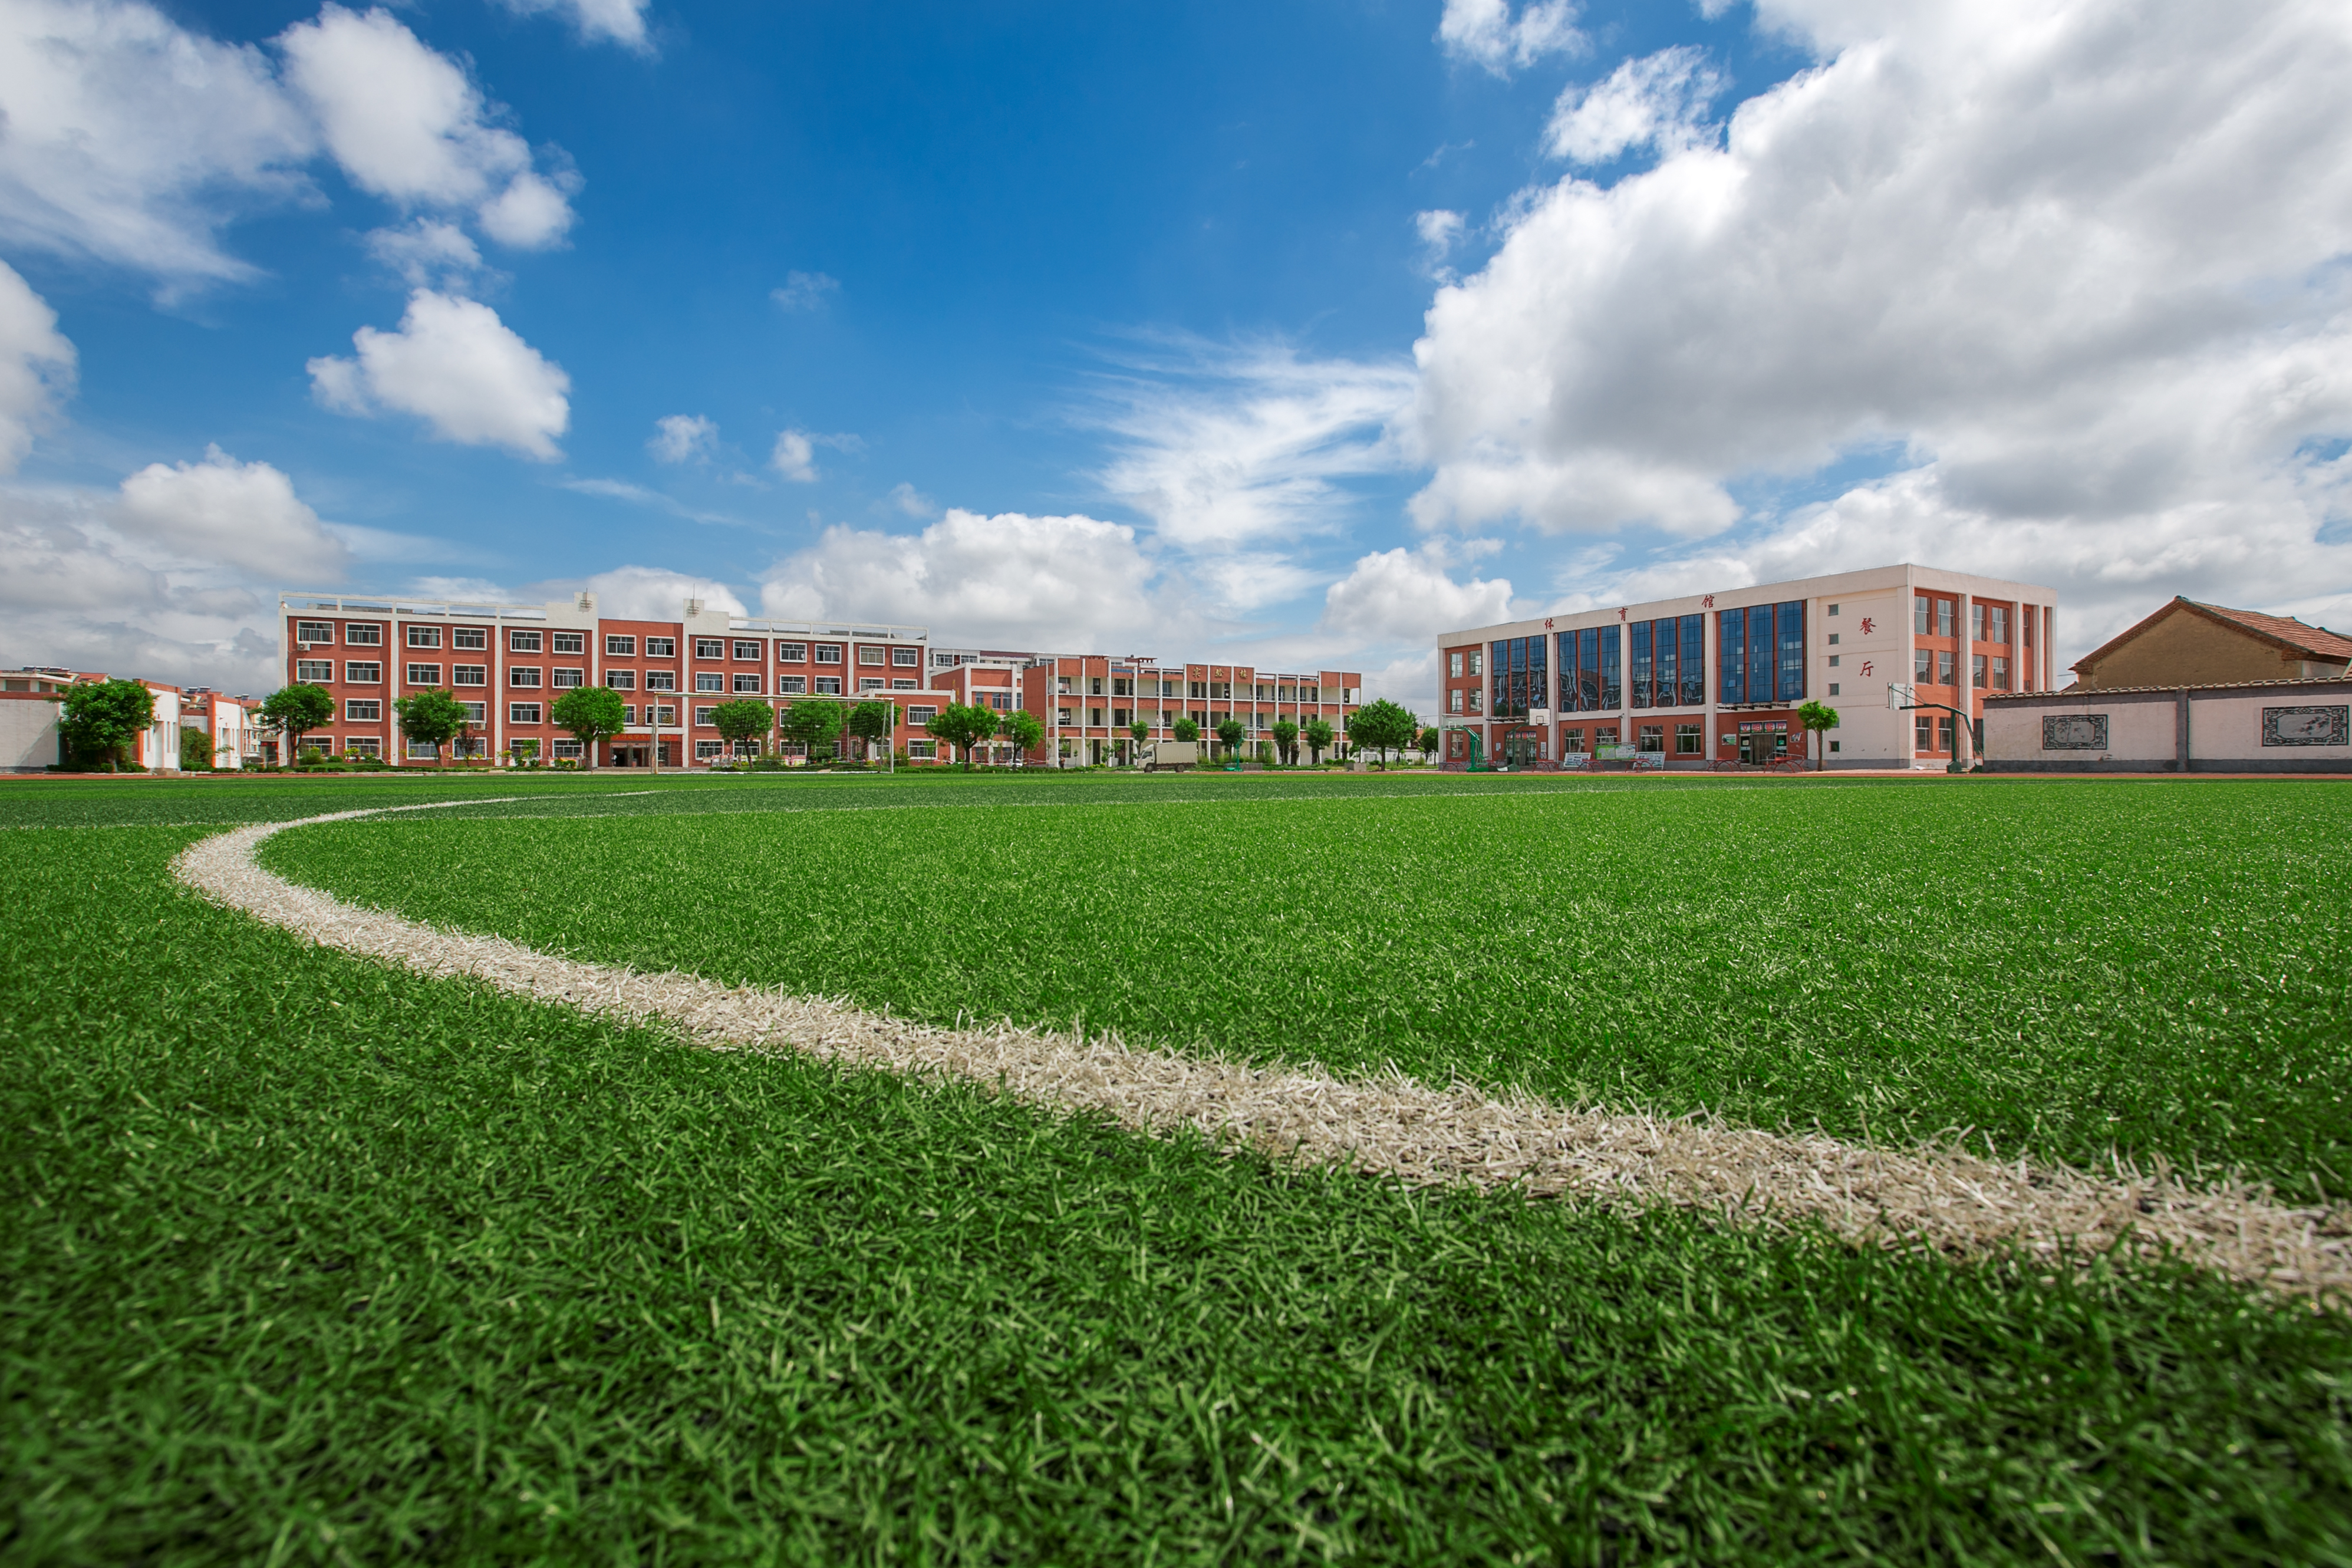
column 406, row 123
column 36, row 366
column 621, row 22
column 1658, row 101
column 683, row 437
column 656, row 593
column 794, row 457
column 456, row 365
column 1402, row 598
column 427, row 252
column 2084, row 256
column 1486, row 33
column 231, row 513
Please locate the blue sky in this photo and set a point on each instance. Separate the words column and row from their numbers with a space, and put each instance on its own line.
column 1299, row 332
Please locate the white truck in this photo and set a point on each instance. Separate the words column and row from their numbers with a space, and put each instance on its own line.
column 1176, row 755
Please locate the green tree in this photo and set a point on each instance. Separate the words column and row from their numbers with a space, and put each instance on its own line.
column 594, row 714
column 963, row 727
column 1384, row 727
column 432, row 718
column 195, row 750
column 814, row 721
column 872, row 721
column 1141, row 732
column 1318, row 735
column 1817, row 718
column 1230, row 730
column 295, row 710
column 1430, row 741
column 1184, row 730
column 1024, row 729
column 744, row 719
column 1285, row 742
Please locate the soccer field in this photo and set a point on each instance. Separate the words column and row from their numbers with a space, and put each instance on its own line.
column 324, row 1259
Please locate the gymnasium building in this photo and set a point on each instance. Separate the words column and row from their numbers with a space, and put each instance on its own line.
column 1716, row 678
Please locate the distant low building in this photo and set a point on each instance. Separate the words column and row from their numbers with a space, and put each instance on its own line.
column 2190, row 644
column 31, row 741
column 2287, row 725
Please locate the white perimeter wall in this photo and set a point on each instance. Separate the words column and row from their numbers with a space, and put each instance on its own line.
column 28, row 735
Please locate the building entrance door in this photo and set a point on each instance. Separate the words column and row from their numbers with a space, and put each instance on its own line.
column 1520, row 748
column 1756, row 749
column 628, row 756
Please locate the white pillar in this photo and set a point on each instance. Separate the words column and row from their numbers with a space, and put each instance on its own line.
column 1963, row 751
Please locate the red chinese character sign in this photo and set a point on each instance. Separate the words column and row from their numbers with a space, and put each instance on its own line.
column 1868, row 625
column 1867, row 665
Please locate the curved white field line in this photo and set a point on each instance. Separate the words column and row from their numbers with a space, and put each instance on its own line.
column 1942, row 1197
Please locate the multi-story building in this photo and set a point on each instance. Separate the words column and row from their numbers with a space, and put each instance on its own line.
column 1719, row 677
column 31, row 739
column 511, row 663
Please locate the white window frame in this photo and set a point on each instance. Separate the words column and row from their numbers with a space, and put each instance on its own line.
column 661, row 647
column 431, row 676
column 569, row 749
column 476, row 713
column 919, row 717
column 757, row 654
column 702, row 718
column 922, row 750
column 710, row 648
column 423, row 636
column 525, row 713
column 314, row 631
column 522, row 641
column 362, row 710
column 621, row 680
column 470, row 639
column 661, row 680
column 907, row 657
column 567, row 642
column 566, row 679
column 470, row 675
column 363, row 746
column 870, row 654
column 706, row 750
column 829, row 653
column 791, row 653
column 353, row 669
column 828, row 686
column 791, row 686
column 709, row 680
column 363, row 634
column 616, row 645
column 314, row 671
column 525, row 677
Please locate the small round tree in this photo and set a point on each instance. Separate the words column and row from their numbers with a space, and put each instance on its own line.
column 1185, row 731
column 1430, row 741
column 813, row 722
column 1319, row 736
column 872, row 721
column 431, row 719
column 1817, row 719
column 295, row 710
column 1384, row 727
column 1285, row 742
column 744, row 719
column 963, row 727
column 1230, row 730
column 1023, row 728
column 594, row 714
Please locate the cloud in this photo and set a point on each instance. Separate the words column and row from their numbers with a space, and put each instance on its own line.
column 1224, row 448
column 455, row 365
column 1401, row 598
column 37, row 365
column 131, row 141
column 1658, row 101
column 683, row 437
column 234, row 514
column 794, row 457
column 406, row 124
column 1484, row 33
column 2090, row 270
column 621, row 22
column 806, row 291
column 1007, row 580
column 656, row 593
column 426, row 253
column 907, row 498
column 1439, row 229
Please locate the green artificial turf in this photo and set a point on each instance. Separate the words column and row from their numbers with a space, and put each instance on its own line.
column 2063, row 967
column 310, row 1260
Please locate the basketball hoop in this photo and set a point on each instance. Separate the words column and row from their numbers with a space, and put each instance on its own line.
column 1900, row 697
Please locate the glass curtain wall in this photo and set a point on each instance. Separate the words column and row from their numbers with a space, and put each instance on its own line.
column 1669, row 659
column 1763, row 654
column 1522, row 676
column 1694, row 661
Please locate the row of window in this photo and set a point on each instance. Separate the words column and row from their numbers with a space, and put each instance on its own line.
column 1932, row 614
column 1986, row 672
column 370, row 633
column 1690, row 740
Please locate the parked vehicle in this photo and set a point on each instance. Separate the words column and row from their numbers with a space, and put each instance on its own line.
column 1174, row 755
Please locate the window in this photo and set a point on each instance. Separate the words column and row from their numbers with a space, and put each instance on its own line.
column 706, row 750
column 666, row 715
column 1998, row 631
column 1944, row 667
column 898, row 685
column 1690, row 739
column 1835, row 657
column 828, row 686
column 1834, row 640
column 791, row 684
column 919, row 717
column 1977, row 671
column 869, row 683
column 1923, row 733
column 476, row 712
column 1976, row 620
column 470, row 746
column 1477, row 663
column 868, row 653
column 314, row 631
column 524, row 675
column 1945, row 612
column 1453, row 697
column 361, row 674
column 923, row 750
column 1833, row 609
column 907, row 657
column 424, row 637
column 314, row 671
column 791, row 653
column 569, row 749
column 1651, row 738
column 1062, row 716
column 709, row 680
column 828, row 653
column 314, row 741
column 702, row 717
column 1000, row 700
column 749, row 683
column 363, row 634
column 470, row 675
column 424, row 675
column 477, row 639
column 1833, row 688
column 621, row 680
column 1999, row 674
column 620, row 647
column 1922, row 672
column 1944, row 734
column 629, row 714
column 1571, row 741
column 425, row 749
column 522, row 712
column 1837, row 745
column 710, row 648
column 569, row 642
column 1605, row 735
column 364, row 710
column 524, row 642
column 661, row 680
column 751, row 650
column 364, row 746
column 1477, row 699
column 1919, row 611
column 661, row 647
column 564, row 680
column 1454, row 665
